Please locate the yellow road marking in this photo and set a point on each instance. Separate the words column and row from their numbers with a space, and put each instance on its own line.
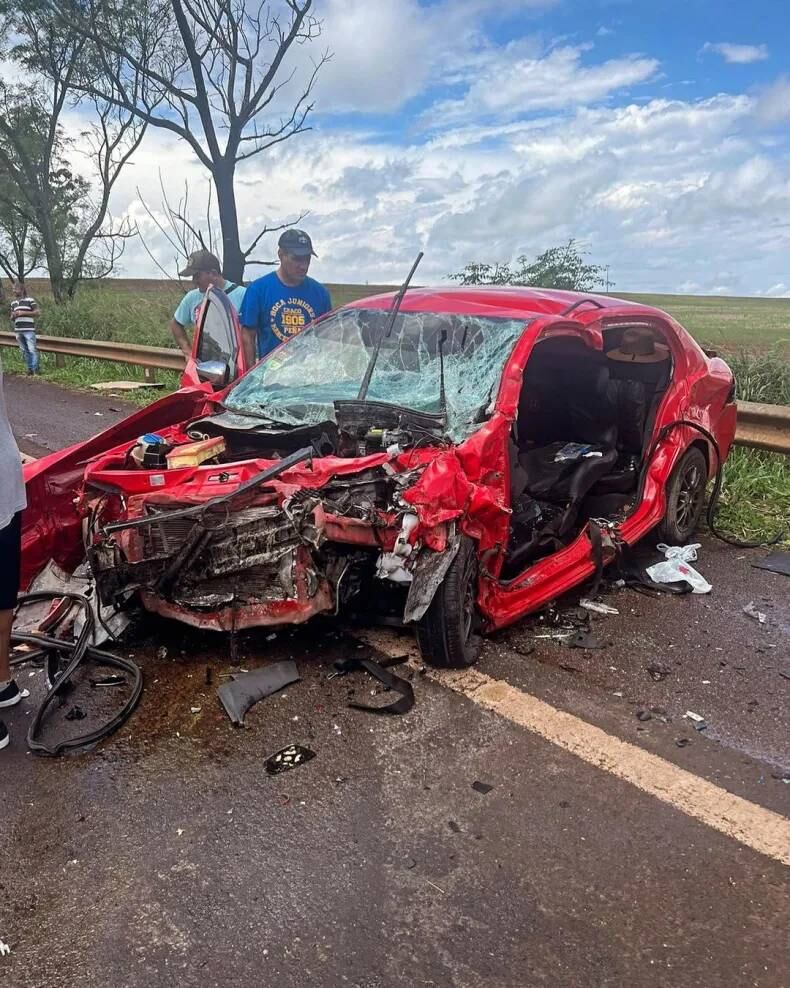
column 761, row 829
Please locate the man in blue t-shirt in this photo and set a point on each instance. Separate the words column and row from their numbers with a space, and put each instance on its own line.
column 279, row 305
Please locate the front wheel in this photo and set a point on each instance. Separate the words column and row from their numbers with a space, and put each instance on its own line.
column 685, row 498
column 448, row 631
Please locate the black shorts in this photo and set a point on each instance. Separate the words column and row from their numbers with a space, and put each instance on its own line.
column 10, row 562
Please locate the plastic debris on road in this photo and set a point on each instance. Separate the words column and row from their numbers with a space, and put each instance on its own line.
column 752, row 612
column 775, row 562
column 697, row 720
column 484, row 788
column 596, row 607
column 247, row 688
column 675, row 567
column 287, row 758
column 5, row 950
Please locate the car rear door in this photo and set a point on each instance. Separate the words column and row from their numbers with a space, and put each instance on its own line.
column 217, row 352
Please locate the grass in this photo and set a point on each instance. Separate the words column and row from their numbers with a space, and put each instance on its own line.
column 756, row 488
column 728, row 324
column 753, row 334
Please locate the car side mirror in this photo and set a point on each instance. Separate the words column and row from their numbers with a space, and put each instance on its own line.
column 214, row 371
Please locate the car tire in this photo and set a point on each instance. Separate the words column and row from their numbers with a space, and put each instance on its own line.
column 685, row 498
column 448, row 632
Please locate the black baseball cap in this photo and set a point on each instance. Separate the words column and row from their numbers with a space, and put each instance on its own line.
column 296, row 242
column 200, row 260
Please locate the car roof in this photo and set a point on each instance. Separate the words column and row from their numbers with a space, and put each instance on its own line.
column 506, row 302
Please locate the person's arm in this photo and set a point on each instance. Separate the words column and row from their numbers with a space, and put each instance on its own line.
column 249, row 316
column 181, row 338
column 182, row 317
column 249, row 340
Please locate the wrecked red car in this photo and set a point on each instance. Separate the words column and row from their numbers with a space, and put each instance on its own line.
column 452, row 466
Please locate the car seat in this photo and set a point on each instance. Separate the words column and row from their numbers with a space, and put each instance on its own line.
column 589, row 417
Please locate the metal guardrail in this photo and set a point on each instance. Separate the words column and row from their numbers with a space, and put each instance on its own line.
column 760, row 426
column 763, row 426
column 155, row 357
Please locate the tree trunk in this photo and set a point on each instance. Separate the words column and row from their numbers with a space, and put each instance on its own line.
column 232, row 256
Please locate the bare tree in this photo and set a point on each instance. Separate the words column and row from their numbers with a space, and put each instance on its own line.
column 181, row 229
column 213, row 72
column 70, row 213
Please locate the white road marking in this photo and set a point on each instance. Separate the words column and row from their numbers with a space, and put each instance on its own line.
column 761, row 829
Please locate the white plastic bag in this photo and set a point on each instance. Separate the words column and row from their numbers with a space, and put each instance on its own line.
column 675, row 567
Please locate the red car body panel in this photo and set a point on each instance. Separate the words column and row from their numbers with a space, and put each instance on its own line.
column 465, row 488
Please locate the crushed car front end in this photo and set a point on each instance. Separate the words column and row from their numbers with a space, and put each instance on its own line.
column 313, row 499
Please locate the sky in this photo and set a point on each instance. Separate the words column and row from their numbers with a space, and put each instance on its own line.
column 654, row 133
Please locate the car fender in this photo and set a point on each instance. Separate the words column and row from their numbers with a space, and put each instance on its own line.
column 429, row 571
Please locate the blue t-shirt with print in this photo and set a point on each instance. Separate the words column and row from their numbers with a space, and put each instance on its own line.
column 279, row 312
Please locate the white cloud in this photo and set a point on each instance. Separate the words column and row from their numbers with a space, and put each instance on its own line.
column 386, row 52
column 773, row 102
column 779, row 290
column 516, row 82
column 528, row 145
column 737, row 54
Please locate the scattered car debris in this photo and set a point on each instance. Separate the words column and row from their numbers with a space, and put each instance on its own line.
column 775, row 562
column 456, row 829
column 784, row 674
column 125, row 386
column 386, row 678
column 247, row 688
column 643, row 715
column 682, row 742
column 64, row 651
column 76, row 713
column 288, row 758
column 584, row 639
column 5, row 950
column 698, row 722
column 657, row 671
column 108, row 681
column 675, row 567
column 597, row 607
column 751, row 611
column 482, row 787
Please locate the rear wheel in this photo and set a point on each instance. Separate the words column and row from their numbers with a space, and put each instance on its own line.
column 448, row 633
column 685, row 498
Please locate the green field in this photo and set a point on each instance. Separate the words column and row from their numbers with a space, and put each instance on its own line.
column 138, row 310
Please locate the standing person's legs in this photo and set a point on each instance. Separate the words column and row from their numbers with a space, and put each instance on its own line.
column 27, row 347
column 11, row 556
column 33, row 351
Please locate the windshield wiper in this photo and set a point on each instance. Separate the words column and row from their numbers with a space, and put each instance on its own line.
column 252, row 415
column 394, row 309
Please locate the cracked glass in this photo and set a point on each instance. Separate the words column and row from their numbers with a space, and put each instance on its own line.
column 299, row 382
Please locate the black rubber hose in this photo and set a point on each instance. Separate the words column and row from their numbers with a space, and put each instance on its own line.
column 713, row 503
column 80, row 651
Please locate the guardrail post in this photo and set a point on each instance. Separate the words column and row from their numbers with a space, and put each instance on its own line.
column 149, row 374
column 60, row 360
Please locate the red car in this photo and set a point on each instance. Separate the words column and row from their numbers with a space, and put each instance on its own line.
column 453, row 465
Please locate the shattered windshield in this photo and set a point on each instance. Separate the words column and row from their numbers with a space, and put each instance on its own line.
column 298, row 383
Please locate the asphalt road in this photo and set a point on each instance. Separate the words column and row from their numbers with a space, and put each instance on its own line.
column 169, row 857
